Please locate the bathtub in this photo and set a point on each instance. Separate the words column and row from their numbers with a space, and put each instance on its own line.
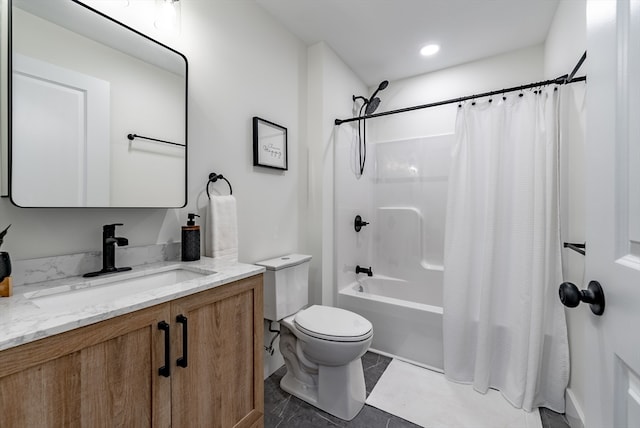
column 404, row 325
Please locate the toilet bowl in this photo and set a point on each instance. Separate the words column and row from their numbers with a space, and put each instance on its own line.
column 323, row 363
column 322, row 346
column 330, row 336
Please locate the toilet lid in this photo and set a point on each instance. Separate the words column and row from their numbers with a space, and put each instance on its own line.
column 326, row 322
column 284, row 261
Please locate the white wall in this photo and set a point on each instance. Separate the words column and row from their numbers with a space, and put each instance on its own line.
column 331, row 86
column 501, row 71
column 241, row 64
column 566, row 42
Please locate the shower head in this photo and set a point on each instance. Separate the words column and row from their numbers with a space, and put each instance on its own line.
column 374, row 101
column 372, row 106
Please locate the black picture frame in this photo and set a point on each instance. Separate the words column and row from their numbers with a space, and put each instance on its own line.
column 269, row 145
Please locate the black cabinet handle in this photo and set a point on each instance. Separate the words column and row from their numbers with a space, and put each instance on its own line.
column 182, row 361
column 166, row 369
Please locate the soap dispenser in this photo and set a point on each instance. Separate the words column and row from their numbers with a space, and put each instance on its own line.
column 191, row 240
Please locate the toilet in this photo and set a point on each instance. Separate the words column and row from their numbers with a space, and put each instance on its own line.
column 322, row 346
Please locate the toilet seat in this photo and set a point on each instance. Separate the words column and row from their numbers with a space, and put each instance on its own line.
column 333, row 324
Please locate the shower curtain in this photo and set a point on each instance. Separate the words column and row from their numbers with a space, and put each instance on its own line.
column 504, row 326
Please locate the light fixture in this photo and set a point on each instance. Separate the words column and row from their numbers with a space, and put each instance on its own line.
column 429, row 50
column 168, row 15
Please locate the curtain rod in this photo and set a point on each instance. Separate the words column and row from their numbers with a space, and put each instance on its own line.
column 562, row 80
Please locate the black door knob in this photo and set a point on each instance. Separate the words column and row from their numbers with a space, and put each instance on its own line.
column 571, row 297
column 359, row 223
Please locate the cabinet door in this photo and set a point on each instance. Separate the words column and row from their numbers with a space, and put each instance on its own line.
column 222, row 385
column 102, row 375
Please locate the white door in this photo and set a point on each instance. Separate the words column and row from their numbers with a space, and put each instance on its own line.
column 613, row 212
column 60, row 136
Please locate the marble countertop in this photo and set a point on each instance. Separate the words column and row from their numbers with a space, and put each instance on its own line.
column 22, row 320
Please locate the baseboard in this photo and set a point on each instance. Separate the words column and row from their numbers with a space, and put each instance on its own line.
column 573, row 411
column 406, row 360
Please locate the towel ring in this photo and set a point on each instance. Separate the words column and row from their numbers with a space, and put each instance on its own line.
column 213, row 177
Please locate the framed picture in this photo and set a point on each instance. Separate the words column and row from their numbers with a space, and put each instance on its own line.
column 269, row 144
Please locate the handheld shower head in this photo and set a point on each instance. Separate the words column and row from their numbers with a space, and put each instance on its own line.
column 369, row 105
column 383, row 85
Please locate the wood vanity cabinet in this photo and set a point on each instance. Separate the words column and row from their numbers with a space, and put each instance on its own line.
column 100, row 375
column 108, row 374
column 222, row 385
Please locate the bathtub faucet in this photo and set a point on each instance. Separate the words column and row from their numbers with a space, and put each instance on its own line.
column 368, row 271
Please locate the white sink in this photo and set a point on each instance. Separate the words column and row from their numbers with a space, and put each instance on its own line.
column 112, row 287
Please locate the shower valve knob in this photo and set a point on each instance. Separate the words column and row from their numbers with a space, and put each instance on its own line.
column 571, row 297
column 359, row 224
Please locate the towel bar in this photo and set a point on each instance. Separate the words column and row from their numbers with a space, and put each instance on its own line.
column 213, row 177
column 131, row 137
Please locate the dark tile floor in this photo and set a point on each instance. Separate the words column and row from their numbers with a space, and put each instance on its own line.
column 284, row 411
column 551, row 419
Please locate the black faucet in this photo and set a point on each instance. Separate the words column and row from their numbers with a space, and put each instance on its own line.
column 109, row 242
column 368, row 271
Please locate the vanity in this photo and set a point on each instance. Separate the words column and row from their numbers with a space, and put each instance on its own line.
column 185, row 354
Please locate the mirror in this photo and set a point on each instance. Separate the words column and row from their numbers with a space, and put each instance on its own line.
column 98, row 111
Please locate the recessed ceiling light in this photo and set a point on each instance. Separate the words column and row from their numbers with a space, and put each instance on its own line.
column 429, row 50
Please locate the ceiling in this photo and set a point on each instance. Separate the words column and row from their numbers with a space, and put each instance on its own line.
column 381, row 39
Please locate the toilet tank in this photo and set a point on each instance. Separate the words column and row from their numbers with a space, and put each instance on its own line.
column 286, row 285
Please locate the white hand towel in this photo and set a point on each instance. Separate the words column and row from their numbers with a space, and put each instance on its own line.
column 222, row 228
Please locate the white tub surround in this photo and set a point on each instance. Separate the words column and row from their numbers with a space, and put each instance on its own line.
column 404, row 197
column 23, row 321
